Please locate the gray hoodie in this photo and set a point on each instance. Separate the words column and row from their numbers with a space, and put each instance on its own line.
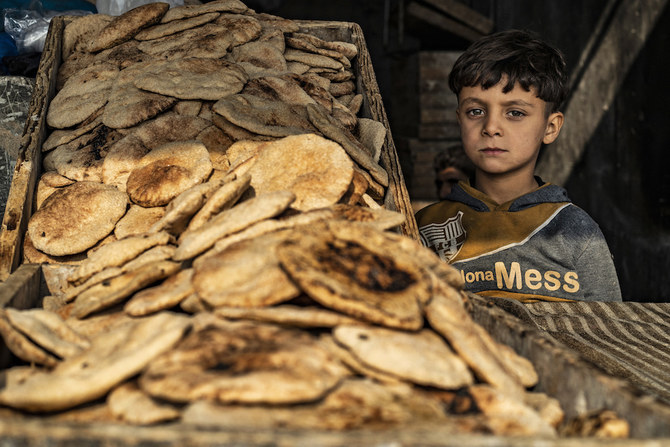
column 539, row 246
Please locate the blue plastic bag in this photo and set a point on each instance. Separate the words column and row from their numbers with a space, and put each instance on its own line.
column 7, row 48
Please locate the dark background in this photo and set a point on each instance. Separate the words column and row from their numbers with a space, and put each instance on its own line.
column 621, row 180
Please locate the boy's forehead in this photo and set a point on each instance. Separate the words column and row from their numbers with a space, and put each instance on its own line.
column 518, row 93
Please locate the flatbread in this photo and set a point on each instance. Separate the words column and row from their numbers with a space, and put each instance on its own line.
column 92, row 209
column 117, row 253
column 129, row 403
column 263, row 116
column 79, row 32
column 121, row 160
column 188, row 108
column 164, row 296
column 83, row 158
column 137, row 220
column 220, row 200
column 192, row 78
column 260, row 54
column 265, row 364
column 237, row 218
column 381, row 219
column 21, row 346
column 129, row 105
column 217, row 144
column 349, row 50
column 167, row 171
column 82, row 95
column 48, row 330
column 285, row 88
column 114, row 291
column 63, row 136
column 447, row 316
column 329, row 128
column 355, row 404
column 212, row 40
column 113, row 357
column 301, row 44
column 318, row 171
column 170, row 127
column 287, row 315
column 34, row 256
column 128, row 24
column 181, row 209
column 372, row 134
column 186, row 11
column 165, row 29
column 246, row 274
column 349, row 273
column 312, row 59
column 422, row 358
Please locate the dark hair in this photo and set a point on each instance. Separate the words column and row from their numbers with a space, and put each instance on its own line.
column 519, row 55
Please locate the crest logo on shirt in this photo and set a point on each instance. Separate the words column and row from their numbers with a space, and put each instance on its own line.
column 446, row 238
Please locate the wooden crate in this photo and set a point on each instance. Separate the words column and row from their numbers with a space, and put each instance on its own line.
column 20, row 205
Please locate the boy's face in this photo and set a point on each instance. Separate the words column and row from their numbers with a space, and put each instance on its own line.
column 502, row 132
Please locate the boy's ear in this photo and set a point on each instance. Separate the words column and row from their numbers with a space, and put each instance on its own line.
column 554, row 124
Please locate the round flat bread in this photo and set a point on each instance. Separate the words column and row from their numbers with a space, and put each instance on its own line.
column 339, row 265
column 211, row 40
column 129, row 105
column 419, row 357
column 82, row 95
column 192, row 78
column 128, row 24
column 167, row 171
column 121, row 160
column 260, row 54
column 318, row 171
column 264, row 116
column 285, row 88
column 83, row 162
column 165, row 29
column 113, row 357
column 246, row 274
column 186, row 11
column 237, row 218
column 217, row 143
column 265, row 364
column 91, row 209
column 169, row 127
column 78, row 34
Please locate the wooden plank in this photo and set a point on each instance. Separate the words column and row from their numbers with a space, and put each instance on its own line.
column 578, row 385
column 29, row 160
column 630, row 27
column 431, row 17
column 462, row 13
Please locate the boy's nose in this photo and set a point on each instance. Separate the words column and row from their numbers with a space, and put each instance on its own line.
column 491, row 127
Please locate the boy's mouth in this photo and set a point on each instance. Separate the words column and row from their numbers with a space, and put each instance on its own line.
column 492, row 150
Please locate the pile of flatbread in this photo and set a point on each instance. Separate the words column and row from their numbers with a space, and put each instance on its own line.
column 210, row 216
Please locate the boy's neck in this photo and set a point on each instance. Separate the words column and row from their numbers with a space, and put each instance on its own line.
column 502, row 189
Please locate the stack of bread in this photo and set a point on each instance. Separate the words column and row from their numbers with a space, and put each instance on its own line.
column 212, row 211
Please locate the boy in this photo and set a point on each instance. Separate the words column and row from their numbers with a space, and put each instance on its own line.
column 510, row 234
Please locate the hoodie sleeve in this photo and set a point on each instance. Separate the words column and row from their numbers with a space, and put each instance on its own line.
column 596, row 266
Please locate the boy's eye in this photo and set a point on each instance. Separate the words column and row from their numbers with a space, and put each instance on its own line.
column 516, row 113
column 475, row 112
